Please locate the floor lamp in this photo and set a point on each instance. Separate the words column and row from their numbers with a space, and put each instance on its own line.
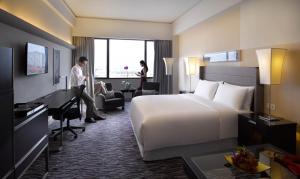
column 169, row 69
column 192, row 66
column 270, row 63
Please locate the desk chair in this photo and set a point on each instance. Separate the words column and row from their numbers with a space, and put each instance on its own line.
column 71, row 114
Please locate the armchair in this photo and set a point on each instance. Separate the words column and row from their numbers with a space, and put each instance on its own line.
column 103, row 103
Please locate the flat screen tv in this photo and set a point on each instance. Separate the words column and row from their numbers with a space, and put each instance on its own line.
column 37, row 59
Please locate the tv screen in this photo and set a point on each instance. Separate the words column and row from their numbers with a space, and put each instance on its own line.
column 37, row 59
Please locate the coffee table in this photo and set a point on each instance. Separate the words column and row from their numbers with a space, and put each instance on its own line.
column 213, row 165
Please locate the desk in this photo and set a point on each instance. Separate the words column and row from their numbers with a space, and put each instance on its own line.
column 30, row 140
column 58, row 103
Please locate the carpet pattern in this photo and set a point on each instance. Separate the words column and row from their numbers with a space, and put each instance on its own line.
column 107, row 149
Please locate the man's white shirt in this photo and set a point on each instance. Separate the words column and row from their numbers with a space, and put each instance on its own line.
column 77, row 77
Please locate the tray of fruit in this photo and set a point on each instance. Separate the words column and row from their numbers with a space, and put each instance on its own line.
column 246, row 161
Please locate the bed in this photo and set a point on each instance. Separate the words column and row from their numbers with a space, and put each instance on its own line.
column 167, row 126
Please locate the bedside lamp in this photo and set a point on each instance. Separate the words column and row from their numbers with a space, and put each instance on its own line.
column 270, row 63
column 169, row 69
column 192, row 64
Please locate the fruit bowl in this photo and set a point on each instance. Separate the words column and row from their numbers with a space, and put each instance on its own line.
column 246, row 161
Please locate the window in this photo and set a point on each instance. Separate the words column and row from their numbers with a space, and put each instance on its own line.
column 100, row 56
column 150, row 57
column 125, row 53
column 112, row 55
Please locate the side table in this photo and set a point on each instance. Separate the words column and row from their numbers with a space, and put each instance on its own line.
column 132, row 91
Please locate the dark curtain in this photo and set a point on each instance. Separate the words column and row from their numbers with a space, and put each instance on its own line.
column 84, row 46
column 162, row 48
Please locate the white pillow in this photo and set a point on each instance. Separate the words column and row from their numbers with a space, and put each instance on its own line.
column 248, row 98
column 206, row 89
column 231, row 96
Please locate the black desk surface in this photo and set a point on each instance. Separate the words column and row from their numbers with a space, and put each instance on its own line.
column 57, row 100
column 128, row 90
column 54, row 102
column 20, row 119
column 255, row 118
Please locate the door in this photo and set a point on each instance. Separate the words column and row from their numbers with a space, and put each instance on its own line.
column 6, row 111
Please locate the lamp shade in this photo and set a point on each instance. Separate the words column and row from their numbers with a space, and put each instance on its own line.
column 270, row 63
column 192, row 64
column 169, row 65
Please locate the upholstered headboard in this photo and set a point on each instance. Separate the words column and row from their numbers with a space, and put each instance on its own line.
column 243, row 76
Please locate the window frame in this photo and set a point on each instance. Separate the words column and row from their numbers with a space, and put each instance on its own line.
column 108, row 57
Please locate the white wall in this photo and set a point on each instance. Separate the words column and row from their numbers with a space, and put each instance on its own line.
column 266, row 23
column 199, row 13
column 105, row 28
column 28, row 88
column 123, row 29
column 39, row 14
column 215, row 34
column 250, row 25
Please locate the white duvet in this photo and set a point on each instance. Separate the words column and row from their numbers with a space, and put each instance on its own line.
column 161, row 121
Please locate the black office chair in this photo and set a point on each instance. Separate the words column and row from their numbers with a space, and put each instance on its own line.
column 71, row 114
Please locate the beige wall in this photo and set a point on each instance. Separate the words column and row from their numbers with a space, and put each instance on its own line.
column 267, row 23
column 251, row 25
column 39, row 14
column 105, row 28
column 203, row 10
column 216, row 34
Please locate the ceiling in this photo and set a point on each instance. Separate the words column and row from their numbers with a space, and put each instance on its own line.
column 139, row 10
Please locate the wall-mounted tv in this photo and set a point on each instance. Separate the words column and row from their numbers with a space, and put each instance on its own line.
column 37, row 59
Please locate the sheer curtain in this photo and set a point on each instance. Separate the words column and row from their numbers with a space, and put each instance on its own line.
column 162, row 48
column 84, row 46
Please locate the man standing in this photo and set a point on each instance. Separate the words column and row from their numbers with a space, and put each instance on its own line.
column 77, row 79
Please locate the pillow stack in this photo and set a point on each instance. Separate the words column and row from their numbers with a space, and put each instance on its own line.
column 236, row 97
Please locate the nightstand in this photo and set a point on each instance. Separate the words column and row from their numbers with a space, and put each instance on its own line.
column 254, row 131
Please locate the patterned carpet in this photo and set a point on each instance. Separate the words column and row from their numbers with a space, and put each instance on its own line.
column 107, row 149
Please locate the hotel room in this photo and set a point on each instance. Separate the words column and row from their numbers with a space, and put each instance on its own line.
column 149, row 89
